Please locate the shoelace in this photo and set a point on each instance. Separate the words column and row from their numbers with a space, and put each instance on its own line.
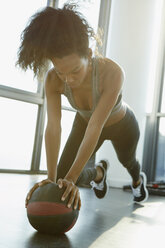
column 98, row 186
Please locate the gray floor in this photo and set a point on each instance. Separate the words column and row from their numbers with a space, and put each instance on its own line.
column 114, row 222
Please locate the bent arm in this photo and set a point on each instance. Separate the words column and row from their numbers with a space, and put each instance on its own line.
column 96, row 123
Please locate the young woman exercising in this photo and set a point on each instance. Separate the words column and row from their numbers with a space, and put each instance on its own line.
column 93, row 86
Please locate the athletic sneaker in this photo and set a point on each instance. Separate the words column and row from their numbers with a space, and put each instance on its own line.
column 140, row 193
column 101, row 188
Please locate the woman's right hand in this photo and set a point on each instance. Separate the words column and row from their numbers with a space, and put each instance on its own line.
column 36, row 185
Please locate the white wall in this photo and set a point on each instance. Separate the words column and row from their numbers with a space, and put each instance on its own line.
column 131, row 43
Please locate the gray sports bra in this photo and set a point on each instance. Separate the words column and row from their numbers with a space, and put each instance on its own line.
column 95, row 94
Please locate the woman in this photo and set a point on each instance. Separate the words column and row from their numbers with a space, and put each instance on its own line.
column 93, row 87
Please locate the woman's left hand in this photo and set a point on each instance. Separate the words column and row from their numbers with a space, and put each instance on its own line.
column 72, row 191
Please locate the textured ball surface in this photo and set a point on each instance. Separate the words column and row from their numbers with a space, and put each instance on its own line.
column 47, row 213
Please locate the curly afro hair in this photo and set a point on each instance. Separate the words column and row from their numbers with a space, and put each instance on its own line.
column 53, row 33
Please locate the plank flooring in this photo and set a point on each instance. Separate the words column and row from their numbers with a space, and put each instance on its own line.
column 113, row 222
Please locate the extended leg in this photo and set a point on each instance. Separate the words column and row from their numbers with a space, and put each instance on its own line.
column 125, row 145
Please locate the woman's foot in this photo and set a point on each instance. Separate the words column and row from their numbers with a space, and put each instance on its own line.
column 100, row 184
column 139, row 189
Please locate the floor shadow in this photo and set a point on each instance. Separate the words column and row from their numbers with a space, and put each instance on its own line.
column 39, row 240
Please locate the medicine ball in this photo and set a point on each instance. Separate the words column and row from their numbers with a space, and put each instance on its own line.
column 47, row 213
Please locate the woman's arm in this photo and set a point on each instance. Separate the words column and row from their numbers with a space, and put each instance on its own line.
column 53, row 129
column 52, row 134
column 52, row 141
column 96, row 123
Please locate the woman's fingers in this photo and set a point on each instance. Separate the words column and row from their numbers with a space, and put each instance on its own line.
column 60, row 183
column 77, row 199
column 72, row 197
column 79, row 203
column 30, row 193
column 71, row 191
column 45, row 181
column 40, row 184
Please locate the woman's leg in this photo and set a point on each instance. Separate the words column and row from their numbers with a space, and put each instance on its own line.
column 125, row 144
column 91, row 174
column 124, row 136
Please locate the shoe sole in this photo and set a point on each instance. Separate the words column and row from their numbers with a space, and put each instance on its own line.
column 142, row 174
column 100, row 163
column 106, row 180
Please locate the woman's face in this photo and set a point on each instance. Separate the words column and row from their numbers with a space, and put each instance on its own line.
column 71, row 69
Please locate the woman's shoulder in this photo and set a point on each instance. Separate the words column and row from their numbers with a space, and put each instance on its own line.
column 108, row 66
column 109, row 72
column 53, row 82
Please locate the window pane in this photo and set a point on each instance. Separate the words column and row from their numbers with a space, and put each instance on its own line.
column 160, row 163
column 67, row 121
column 163, row 98
column 17, row 132
column 13, row 18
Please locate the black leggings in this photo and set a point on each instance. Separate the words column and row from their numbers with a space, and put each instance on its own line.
column 124, row 136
